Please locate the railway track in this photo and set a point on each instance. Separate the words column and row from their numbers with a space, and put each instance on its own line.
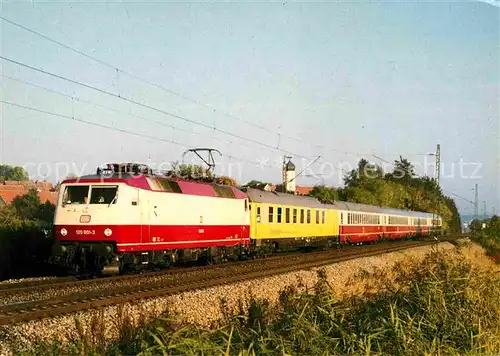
column 197, row 278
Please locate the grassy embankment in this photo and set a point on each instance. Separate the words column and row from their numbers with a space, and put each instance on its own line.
column 487, row 234
column 441, row 305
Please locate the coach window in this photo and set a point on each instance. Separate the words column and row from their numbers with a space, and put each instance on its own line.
column 308, row 216
column 278, row 218
column 287, row 215
column 294, row 216
column 301, row 216
column 258, row 214
column 323, row 216
column 317, row 216
column 271, row 212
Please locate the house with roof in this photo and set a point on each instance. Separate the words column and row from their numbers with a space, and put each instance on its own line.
column 11, row 189
column 299, row 190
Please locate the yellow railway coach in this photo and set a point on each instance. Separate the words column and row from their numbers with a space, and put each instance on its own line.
column 282, row 219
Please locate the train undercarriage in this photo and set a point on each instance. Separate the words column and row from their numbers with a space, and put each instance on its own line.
column 102, row 258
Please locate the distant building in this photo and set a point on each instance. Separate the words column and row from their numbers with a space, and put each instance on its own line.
column 279, row 188
column 267, row 187
column 289, row 177
column 11, row 189
column 303, row 190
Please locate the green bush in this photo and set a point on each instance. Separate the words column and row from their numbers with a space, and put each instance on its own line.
column 487, row 236
column 442, row 305
column 25, row 235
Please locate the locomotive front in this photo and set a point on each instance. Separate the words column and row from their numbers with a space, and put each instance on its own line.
column 89, row 220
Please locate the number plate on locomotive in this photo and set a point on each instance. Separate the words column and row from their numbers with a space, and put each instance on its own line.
column 85, row 232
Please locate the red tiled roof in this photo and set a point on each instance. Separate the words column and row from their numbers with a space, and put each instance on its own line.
column 303, row 190
column 9, row 192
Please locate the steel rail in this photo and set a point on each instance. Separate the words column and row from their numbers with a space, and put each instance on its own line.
column 72, row 303
column 70, row 281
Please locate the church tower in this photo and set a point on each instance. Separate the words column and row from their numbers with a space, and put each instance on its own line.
column 289, row 176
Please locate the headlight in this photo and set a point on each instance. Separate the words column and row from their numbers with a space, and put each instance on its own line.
column 64, row 232
column 108, row 232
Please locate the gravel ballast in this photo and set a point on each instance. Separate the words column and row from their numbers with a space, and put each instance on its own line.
column 203, row 307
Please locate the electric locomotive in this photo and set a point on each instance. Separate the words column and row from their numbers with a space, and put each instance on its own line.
column 124, row 217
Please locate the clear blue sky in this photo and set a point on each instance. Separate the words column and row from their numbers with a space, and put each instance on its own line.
column 364, row 78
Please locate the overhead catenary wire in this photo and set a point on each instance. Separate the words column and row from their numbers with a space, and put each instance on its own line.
column 173, row 92
column 134, row 133
column 152, row 108
column 110, row 108
column 108, row 127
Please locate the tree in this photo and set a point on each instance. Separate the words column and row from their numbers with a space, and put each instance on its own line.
column 363, row 173
column 225, row 180
column 358, row 195
column 191, row 172
column 254, row 184
column 324, row 194
column 27, row 206
column 13, row 173
column 475, row 225
column 403, row 170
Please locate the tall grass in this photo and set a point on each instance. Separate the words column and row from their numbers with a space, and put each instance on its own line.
column 439, row 306
column 487, row 234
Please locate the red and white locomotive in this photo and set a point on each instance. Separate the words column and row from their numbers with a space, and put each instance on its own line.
column 110, row 222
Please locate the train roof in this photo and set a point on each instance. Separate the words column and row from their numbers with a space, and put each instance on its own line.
column 342, row 205
column 159, row 183
column 261, row 196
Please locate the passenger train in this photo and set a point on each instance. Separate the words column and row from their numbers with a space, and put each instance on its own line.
column 125, row 217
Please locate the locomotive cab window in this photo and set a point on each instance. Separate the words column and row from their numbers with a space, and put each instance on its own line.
column 76, row 194
column 103, row 195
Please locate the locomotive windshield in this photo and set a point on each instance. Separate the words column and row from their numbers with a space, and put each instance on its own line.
column 76, row 194
column 103, row 194
column 79, row 194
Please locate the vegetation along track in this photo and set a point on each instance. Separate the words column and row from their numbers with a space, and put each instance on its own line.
column 177, row 281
